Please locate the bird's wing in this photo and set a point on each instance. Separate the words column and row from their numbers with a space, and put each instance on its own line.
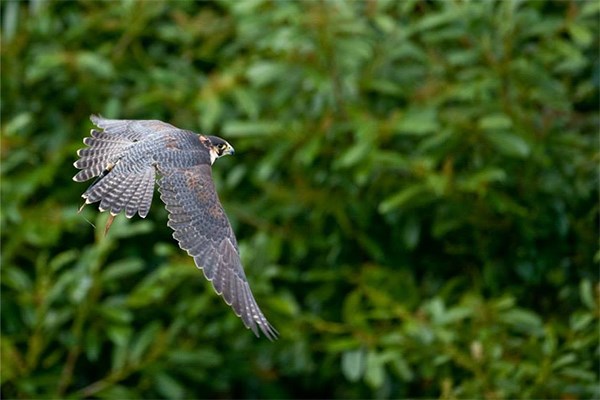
column 129, row 129
column 203, row 230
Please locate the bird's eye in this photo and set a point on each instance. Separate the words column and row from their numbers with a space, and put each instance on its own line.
column 221, row 147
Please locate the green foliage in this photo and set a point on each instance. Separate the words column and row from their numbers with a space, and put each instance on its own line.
column 414, row 191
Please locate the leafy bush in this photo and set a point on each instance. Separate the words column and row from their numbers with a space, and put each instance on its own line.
column 414, row 192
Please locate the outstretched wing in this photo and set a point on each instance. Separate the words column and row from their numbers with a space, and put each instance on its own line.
column 203, row 230
column 130, row 129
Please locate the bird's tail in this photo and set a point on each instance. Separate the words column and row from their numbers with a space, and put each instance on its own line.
column 117, row 187
column 117, row 191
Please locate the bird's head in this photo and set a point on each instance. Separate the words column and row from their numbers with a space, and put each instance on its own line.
column 218, row 148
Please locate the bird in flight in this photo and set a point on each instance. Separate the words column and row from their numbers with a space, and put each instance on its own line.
column 125, row 156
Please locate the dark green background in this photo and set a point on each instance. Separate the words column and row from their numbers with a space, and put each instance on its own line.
column 414, row 190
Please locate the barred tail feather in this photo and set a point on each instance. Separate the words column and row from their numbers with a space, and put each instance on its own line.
column 103, row 191
column 141, row 198
column 116, row 192
column 121, row 194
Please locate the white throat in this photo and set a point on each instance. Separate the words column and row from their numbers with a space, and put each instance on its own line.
column 213, row 156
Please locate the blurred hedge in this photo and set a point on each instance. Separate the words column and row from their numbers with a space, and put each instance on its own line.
column 415, row 193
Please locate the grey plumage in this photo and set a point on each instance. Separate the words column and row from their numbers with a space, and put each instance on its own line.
column 126, row 156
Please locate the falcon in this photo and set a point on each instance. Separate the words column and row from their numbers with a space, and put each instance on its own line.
column 126, row 157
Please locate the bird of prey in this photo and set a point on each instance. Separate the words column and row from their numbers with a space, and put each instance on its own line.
column 127, row 155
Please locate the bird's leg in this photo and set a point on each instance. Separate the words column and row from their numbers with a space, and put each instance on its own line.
column 109, row 222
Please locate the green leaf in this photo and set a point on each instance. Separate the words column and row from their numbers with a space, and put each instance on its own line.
column 338, row 345
column 418, row 122
column 122, row 228
column 119, row 356
column 251, row 128
column 95, row 64
column 579, row 374
column 403, row 197
column 81, row 289
column 119, row 334
column 580, row 34
column 143, row 341
column 203, row 356
column 411, row 233
column 524, row 320
column 579, row 322
column 62, row 259
column 115, row 312
column 118, row 392
column 247, row 102
column 18, row 124
column 10, row 19
column 375, row 371
column 509, row 144
column 435, row 20
column 483, row 178
column 587, row 294
column 353, row 155
column 590, row 8
column 211, row 109
column 386, row 87
column 263, row 73
column 92, row 344
column 169, row 386
column 456, row 314
column 353, row 364
column 495, row 122
column 402, row 368
column 16, row 279
column 121, row 269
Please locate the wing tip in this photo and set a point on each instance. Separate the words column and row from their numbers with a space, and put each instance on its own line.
column 98, row 120
column 270, row 332
column 267, row 330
